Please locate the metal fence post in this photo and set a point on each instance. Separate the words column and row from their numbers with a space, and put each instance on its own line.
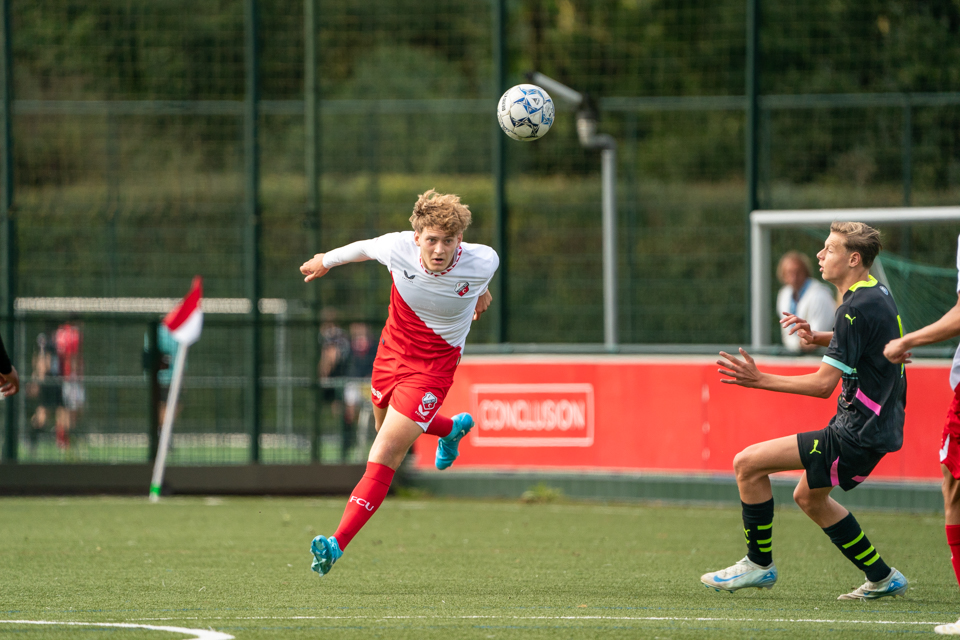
column 501, row 315
column 907, row 169
column 253, row 399
column 312, row 169
column 9, row 231
column 751, row 137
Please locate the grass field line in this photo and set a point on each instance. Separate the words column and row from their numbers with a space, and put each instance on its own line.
column 198, row 634
column 584, row 617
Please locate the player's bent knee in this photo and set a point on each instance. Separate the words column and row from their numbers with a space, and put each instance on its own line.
column 801, row 495
column 744, row 464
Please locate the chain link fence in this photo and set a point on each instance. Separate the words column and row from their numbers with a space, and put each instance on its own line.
column 155, row 141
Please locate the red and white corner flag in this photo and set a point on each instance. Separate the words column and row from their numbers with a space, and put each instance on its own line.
column 185, row 321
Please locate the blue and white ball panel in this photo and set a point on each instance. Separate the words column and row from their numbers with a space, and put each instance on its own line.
column 525, row 112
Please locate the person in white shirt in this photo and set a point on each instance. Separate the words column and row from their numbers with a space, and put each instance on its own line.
column 804, row 297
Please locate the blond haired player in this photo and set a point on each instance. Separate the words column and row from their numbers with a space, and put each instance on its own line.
column 868, row 423
column 440, row 285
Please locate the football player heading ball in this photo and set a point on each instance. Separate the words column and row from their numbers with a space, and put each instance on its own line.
column 440, row 285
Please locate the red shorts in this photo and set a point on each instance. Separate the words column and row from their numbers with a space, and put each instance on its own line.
column 950, row 440
column 398, row 384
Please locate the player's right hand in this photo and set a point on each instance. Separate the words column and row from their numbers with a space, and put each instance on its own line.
column 313, row 268
column 800, row 327
column 896, row 352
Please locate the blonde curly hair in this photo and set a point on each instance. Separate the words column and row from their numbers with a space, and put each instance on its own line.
column 440, row 211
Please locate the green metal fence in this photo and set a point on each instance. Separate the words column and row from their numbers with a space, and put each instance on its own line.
column 144, row 143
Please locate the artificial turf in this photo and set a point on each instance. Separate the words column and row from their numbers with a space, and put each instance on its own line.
column 432, row 568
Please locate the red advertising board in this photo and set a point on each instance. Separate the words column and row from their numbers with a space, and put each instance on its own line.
column 664, row 414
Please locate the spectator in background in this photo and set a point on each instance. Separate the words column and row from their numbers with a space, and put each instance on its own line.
column 804, row 297
column 363, row 351
column 68, row 341
column 43, row 388
column 167, row 347
column 332, row 368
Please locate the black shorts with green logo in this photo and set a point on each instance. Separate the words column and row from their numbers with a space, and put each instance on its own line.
column 831, row 461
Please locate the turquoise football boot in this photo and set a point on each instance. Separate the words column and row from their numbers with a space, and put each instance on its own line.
column 448, row 446
column 325, row 551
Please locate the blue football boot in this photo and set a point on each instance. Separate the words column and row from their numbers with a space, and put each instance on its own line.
column 447, row 447
column 325, row 551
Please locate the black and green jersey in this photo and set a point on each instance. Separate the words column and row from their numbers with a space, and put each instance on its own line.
column 870, row 410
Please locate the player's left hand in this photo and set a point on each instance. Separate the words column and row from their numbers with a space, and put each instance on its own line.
column 483, row 303
column 896, row 352
column 313, row 268
column 744, row 372
column 10, row 383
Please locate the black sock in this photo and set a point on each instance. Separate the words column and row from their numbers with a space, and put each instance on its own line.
column 853, row 543
column 758, row 529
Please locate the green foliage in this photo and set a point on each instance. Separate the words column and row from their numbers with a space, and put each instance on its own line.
column 135, row 199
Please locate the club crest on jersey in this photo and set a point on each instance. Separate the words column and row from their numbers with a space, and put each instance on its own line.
column 427, row 403
column 462, row 288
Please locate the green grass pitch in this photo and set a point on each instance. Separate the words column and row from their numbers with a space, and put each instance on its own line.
column 431, row 568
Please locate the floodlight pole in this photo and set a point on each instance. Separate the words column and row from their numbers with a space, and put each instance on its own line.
column 587, row 117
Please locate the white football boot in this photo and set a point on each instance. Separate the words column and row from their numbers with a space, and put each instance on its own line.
column 742, row 575
column 952, row 629
column 894, row 584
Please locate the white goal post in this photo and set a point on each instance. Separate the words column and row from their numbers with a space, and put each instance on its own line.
column 761, row 222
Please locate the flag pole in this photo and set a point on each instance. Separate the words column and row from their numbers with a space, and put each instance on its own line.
column 167, row 429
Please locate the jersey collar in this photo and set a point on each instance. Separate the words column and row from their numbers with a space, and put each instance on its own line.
column 456, row 259
column 869, row 282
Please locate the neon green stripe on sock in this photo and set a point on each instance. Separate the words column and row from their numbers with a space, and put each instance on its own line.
column 765, row 526
column 872, row 560
column 854, row 541
column 765, row 549
column 866, row 553
column 767, row 541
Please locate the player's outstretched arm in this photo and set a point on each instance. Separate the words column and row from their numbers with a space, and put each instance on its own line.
column 746, row 374
column 483, row 303
column 808, row 337
column 313, row 268
column 898, row 351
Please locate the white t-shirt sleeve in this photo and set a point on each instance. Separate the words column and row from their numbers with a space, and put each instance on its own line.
column 958, row 264
column 822, row 309
column 791, row 342
column 494, row 265
column 378, row 249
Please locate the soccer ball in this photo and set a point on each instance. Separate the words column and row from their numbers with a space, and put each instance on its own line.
column 525, row 112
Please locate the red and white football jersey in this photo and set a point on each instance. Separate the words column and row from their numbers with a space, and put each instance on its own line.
column 430, row 313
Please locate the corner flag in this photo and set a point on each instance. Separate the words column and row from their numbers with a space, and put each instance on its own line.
column 185, row 321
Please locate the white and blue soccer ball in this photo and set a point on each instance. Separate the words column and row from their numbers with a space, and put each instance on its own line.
column 525, row 112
